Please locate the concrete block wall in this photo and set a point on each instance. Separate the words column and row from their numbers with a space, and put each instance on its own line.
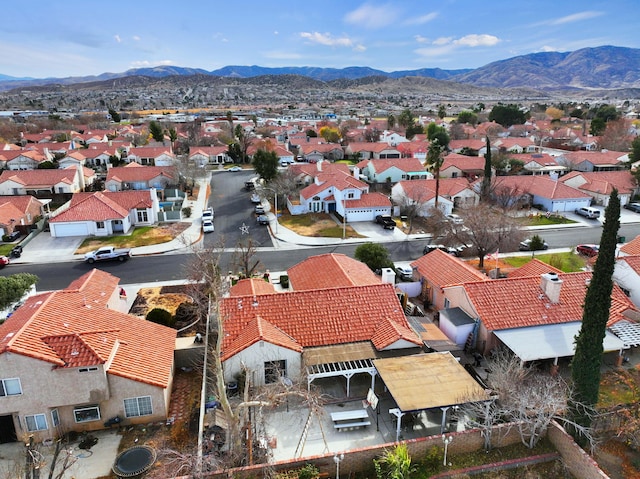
column 575, row 458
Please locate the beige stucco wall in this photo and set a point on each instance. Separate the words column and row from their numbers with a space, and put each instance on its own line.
column 45, row 387
column 254, row 357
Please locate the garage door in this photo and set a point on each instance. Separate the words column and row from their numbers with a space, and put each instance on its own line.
column 68, row 229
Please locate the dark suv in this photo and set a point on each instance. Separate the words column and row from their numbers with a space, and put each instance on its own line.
column 386, row 221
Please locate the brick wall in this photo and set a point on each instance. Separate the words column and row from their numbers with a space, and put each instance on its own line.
column 575, row 458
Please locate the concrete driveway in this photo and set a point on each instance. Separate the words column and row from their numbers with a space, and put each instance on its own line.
column 45, row 249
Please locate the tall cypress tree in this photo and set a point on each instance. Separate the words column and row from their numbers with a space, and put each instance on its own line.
column 585, row 367
column 486, row 181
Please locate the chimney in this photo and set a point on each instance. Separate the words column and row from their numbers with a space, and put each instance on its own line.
column 356, row 172
column 551, row 285
column 388, row 276
column 319, row 165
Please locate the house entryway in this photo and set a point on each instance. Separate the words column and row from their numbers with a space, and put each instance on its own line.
column 7, row 429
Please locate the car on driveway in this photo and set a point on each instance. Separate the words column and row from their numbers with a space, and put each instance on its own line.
column 526, row 245
column 233, row 169
column 207, row 226
column 259, row 209
column 263, row 220
column 635, row 207
column 386, row 221
column 404, row 272
column 455, row 219
column 589, row 250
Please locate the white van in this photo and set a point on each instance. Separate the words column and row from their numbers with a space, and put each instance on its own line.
column 588, row 212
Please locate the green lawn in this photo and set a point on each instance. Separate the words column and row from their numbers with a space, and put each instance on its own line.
column 541, row 219
column 142, row 236
column 567, row 262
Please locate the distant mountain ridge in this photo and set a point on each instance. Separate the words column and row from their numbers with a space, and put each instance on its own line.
column 605, row 67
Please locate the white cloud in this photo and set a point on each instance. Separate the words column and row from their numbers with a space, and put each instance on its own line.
column 547, row 48
column 278, row 55
column 372, row 16
column 136, row 38
column 421, row 39
column 359, row 48
column 276, row 32
column 443, row 41
column 117, row 37
column 421, row 20
column 576, row 17
column 475, row 40
column 326, row 39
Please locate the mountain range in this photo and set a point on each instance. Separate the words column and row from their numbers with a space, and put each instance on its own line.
column 601, row 68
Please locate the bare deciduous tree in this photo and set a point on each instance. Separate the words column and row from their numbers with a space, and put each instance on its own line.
column 244, row 257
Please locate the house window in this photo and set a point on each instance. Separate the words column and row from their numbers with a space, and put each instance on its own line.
column 454, row 174
column 274, row 370
column 446, row 303
column 87, row 370
column 10, row 387
column 143, row 216
column 140, row 406
column 36, row 422
column 87, row 413
column 350, row 196
column 55, row 418
column 100, row 225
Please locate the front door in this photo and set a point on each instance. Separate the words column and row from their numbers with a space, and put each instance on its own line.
column 7, row 430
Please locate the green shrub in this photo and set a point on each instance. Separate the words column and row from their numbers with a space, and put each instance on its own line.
column 161, row 316
column 186, row 211
column 284, row 281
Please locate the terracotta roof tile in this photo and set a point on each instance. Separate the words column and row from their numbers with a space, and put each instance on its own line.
column 632, row 247
column 331, row 270
column 51, row 326
column 442, row 269
column 131, row 173
column 92, row 207
column 520, row 302
column 535, row 267
column 317, row 317
column 369, row 200
column 39, row 178
column 251, row 286
column 260, row 330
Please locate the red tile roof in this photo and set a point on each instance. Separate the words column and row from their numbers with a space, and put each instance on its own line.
column 251, row 286
column 632, row 247
column 632, row 261
column 91, row 207
column 318, row 317
column 540, row 185
column 135, row 172
column 39, row 178
column 331, row 270
column 600, row 158
column 74, row 327
column 407, row 165
column 603, row 182
column 520, row 302
column 535, row 267
column 369, row 200
column 442, row 269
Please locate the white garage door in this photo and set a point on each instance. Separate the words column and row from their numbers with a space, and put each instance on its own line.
column 68, row 229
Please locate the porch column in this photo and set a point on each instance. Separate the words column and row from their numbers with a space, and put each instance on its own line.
column 444, row 419
column 398, row 414
column 555, row 368
column 348, row 376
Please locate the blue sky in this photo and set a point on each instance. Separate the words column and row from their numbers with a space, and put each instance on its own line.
column 60, row 38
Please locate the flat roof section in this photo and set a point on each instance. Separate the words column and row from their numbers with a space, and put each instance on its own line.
column 427, row 381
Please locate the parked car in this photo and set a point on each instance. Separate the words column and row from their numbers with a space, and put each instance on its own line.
column 207, row 226
column 14, row 235
column 404, row 272
column 259, row 209
column 452, row 250
column 588, row 212
column 588, row 249
column 107, row 253
column 207, row 214
column 4, row 261
column 255, row 199
column 233, row 169
column 263, row 220
column 526, row 245
column 456, row 219
column 635, row 207
column 249, row 185
column 386, row 221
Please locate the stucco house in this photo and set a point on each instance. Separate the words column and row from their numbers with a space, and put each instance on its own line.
column 626, row 274
column 455, row 165
column 551, row 195
column 136, row 177
column 209, row 155
column 603, row 160
column 537, row 317
column 453, row 193
column 19, row 213
column 392, row 170
column 372, row 151
column 314, row 151
column 21, row 159
column 152, row 156
column 600, row 184
column 40, row 182
column 291, row 335
column 104, row 213
column 72, row 359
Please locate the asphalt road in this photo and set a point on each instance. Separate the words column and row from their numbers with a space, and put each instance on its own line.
column 233, row 209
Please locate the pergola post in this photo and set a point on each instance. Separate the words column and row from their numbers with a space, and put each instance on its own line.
column 398, row 414
column 444, row 419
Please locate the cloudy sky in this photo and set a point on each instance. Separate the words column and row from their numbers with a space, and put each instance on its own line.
column 60, row 38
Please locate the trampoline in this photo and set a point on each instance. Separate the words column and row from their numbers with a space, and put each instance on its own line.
column 134, row 461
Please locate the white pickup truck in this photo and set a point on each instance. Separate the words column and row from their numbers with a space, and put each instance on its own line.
column 108, row 253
